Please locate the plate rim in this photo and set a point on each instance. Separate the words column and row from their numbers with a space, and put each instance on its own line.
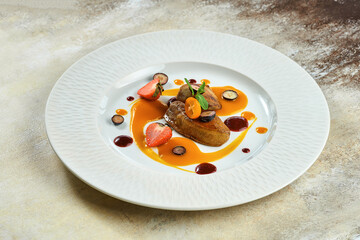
column 70, row 68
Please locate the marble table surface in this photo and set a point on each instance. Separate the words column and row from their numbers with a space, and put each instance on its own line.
column 41, row 199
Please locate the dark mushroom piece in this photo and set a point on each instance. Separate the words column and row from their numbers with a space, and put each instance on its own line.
column 179, row 150
column 170, row 101
column 117, row 119
column 163, row 78
column 230, row 95
column 207, row 116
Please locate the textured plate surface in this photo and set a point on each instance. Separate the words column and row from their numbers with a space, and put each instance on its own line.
column 73, row 105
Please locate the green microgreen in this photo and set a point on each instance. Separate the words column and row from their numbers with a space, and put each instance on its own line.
column 201, row 99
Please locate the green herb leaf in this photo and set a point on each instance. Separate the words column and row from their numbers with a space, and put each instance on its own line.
column 191, row 89
column 201, row 89
column 203, row 103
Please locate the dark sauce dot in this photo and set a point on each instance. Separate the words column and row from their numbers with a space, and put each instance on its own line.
column 130, row 98
column 123, row 141
column 236, row 124
column 192, row 81
column 171, row 100
column 205, row 168
column 246, row 150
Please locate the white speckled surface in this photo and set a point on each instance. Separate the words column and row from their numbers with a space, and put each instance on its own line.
column 40, row 199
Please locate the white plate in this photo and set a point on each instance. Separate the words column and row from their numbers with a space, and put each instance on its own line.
column 283, row 96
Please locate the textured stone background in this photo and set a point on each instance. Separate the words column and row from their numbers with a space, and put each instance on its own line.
column 40, row 199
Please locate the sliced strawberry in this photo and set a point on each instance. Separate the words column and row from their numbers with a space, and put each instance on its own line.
column 157, row 134
column 152, row 90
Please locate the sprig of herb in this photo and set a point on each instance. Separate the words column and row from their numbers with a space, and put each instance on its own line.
column 191, row 89
column 203, row 103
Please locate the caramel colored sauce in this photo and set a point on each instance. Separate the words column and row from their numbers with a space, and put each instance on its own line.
column 261, row 130
column 193, row 154
column 228, row 107
column 179, row 82
column 207, row 81
column 142, row 112
column 121, row 112
column 170, row 92
column 248, row 115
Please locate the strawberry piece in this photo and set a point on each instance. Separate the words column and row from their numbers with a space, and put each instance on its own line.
column 152, row 90
column 157, row 134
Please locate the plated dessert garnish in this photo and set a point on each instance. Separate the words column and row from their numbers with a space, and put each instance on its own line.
column 195, row 112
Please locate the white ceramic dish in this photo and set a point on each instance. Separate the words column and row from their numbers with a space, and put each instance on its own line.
column 283, row 96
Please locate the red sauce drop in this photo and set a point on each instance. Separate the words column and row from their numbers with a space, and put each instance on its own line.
column 192, row 81
column 171, row 100
column 130, row 98
column 205, row 168
column 123, row 141
column 246, row 150
column 236, row 123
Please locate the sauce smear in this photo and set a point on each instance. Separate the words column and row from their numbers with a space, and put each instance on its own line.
column 123, row 141
column 194, row 155
column 246, row 150
column 236, row 124
column 144, row 111
column 261, row 130
column 121, row 112
column 130, row 98
column 248, row 115
column 178, row 82
column 170, row 92
column 233, row 106
column 207, row 82
column 205, row 168
column 192, row 81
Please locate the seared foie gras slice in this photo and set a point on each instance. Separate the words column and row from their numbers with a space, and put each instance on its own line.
column 213, row 133
column 209, row 95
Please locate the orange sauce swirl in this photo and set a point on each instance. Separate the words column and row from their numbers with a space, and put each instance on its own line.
column 143, row 111
column 193, row 154
column 230, row 107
